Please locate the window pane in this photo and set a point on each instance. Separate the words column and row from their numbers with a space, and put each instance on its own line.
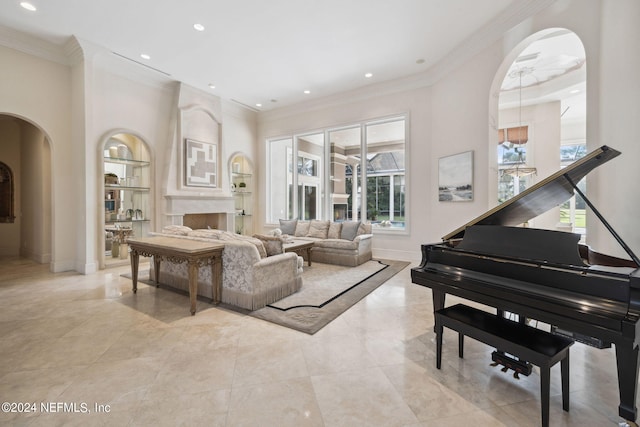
column 280, row 179
column 385, row 163
column 345, row 158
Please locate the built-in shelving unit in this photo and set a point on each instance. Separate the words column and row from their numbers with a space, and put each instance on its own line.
column 242, row 187
column 127, row 196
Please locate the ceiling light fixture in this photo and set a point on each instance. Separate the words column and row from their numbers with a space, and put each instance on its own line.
column 258, row 105
column 198, row 27
column 307, row 92
column 368, row 75
column 144, row 56
column 28, row 6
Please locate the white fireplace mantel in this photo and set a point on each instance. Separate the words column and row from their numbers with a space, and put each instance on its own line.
column 176, row 206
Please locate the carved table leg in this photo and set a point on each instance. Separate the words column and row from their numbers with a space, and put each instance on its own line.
column 135, row 258
column 156, row 269
column 216, row 278
column 193, row 284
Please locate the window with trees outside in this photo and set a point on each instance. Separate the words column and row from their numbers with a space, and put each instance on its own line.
column 573, row 211
column 330, row 168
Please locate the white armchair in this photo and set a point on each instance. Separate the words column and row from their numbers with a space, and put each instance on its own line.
column 251, row 282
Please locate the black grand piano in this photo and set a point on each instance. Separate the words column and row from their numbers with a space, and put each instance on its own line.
column 545, row 275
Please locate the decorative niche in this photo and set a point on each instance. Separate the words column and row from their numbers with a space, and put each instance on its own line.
column 242, row 188
column 6, row 194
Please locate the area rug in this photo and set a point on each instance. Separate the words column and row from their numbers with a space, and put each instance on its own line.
column 327, row 291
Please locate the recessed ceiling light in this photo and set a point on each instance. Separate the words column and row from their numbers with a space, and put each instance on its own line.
column 28, row 6
column 198, row 27
column 574, row 91
column 420, row 61
column 258, row 105
column 368, row 75
column 144, row 56
column 212, row 86
column 307, row 92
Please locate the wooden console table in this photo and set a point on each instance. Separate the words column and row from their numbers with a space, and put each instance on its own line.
column 194, row 253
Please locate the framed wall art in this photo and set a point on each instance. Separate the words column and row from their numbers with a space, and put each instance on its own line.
column 455, row 178
column 200, row 163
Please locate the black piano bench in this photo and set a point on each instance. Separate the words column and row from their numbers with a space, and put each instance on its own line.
column 541, row 348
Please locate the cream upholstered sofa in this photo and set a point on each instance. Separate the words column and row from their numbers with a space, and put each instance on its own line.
column 342, row 243
column 251, row 278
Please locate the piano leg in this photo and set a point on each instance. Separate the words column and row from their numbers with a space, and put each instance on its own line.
column 438, row 299
column 627, row 361
column 438, row 302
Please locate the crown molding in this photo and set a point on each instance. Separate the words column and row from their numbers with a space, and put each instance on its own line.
column 34, row 46
column 514, row 15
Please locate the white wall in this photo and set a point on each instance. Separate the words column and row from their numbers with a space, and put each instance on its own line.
column 458, row 113
column 39, row 91
column 78, row 107
column 615, row 186
column 35, row 225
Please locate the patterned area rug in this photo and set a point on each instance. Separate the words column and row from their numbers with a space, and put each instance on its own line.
column 327, row 291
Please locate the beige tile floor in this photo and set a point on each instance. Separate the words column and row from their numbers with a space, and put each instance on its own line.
column 87, row 339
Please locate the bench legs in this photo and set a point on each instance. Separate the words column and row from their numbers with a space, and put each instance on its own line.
column 545, row 373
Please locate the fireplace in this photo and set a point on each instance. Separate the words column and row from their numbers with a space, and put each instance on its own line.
column 198, row 221
column 199, row 212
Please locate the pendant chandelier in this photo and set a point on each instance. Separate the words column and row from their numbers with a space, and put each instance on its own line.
column 519, row 169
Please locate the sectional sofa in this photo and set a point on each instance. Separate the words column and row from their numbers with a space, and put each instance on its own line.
column 343, row 243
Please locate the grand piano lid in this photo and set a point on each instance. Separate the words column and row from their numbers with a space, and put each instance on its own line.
column 541, row 197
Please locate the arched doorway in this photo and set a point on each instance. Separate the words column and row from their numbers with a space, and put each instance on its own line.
column 540, row 124
column 26, row 150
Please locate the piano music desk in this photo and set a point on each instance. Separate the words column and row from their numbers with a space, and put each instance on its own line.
column 534, row 345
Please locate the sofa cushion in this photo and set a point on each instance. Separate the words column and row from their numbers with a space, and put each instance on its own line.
column 318, row 229
column 288, row 226
column 302, row 228
column 178, row 230
column 336, row 244
column 349, row 230
column 335, row 228
column 272, row 244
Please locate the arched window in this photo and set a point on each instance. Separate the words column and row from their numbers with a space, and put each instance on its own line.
column 6, row 194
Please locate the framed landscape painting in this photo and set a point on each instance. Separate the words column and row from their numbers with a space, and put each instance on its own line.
column 455, row 178
column 200, row 163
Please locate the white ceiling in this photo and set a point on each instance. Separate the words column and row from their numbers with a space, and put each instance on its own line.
column 269, row 52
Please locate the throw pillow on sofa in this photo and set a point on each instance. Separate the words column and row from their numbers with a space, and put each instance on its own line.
column 335, row 230
column 318, row 229
column 302, row 228
column 288, row 226
column 272, row 244
column 349, row 230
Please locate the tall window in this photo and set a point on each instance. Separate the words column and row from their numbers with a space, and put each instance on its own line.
column 372, row 153
column 573, row 211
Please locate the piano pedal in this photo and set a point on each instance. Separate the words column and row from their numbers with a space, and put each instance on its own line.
column 520, row 367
